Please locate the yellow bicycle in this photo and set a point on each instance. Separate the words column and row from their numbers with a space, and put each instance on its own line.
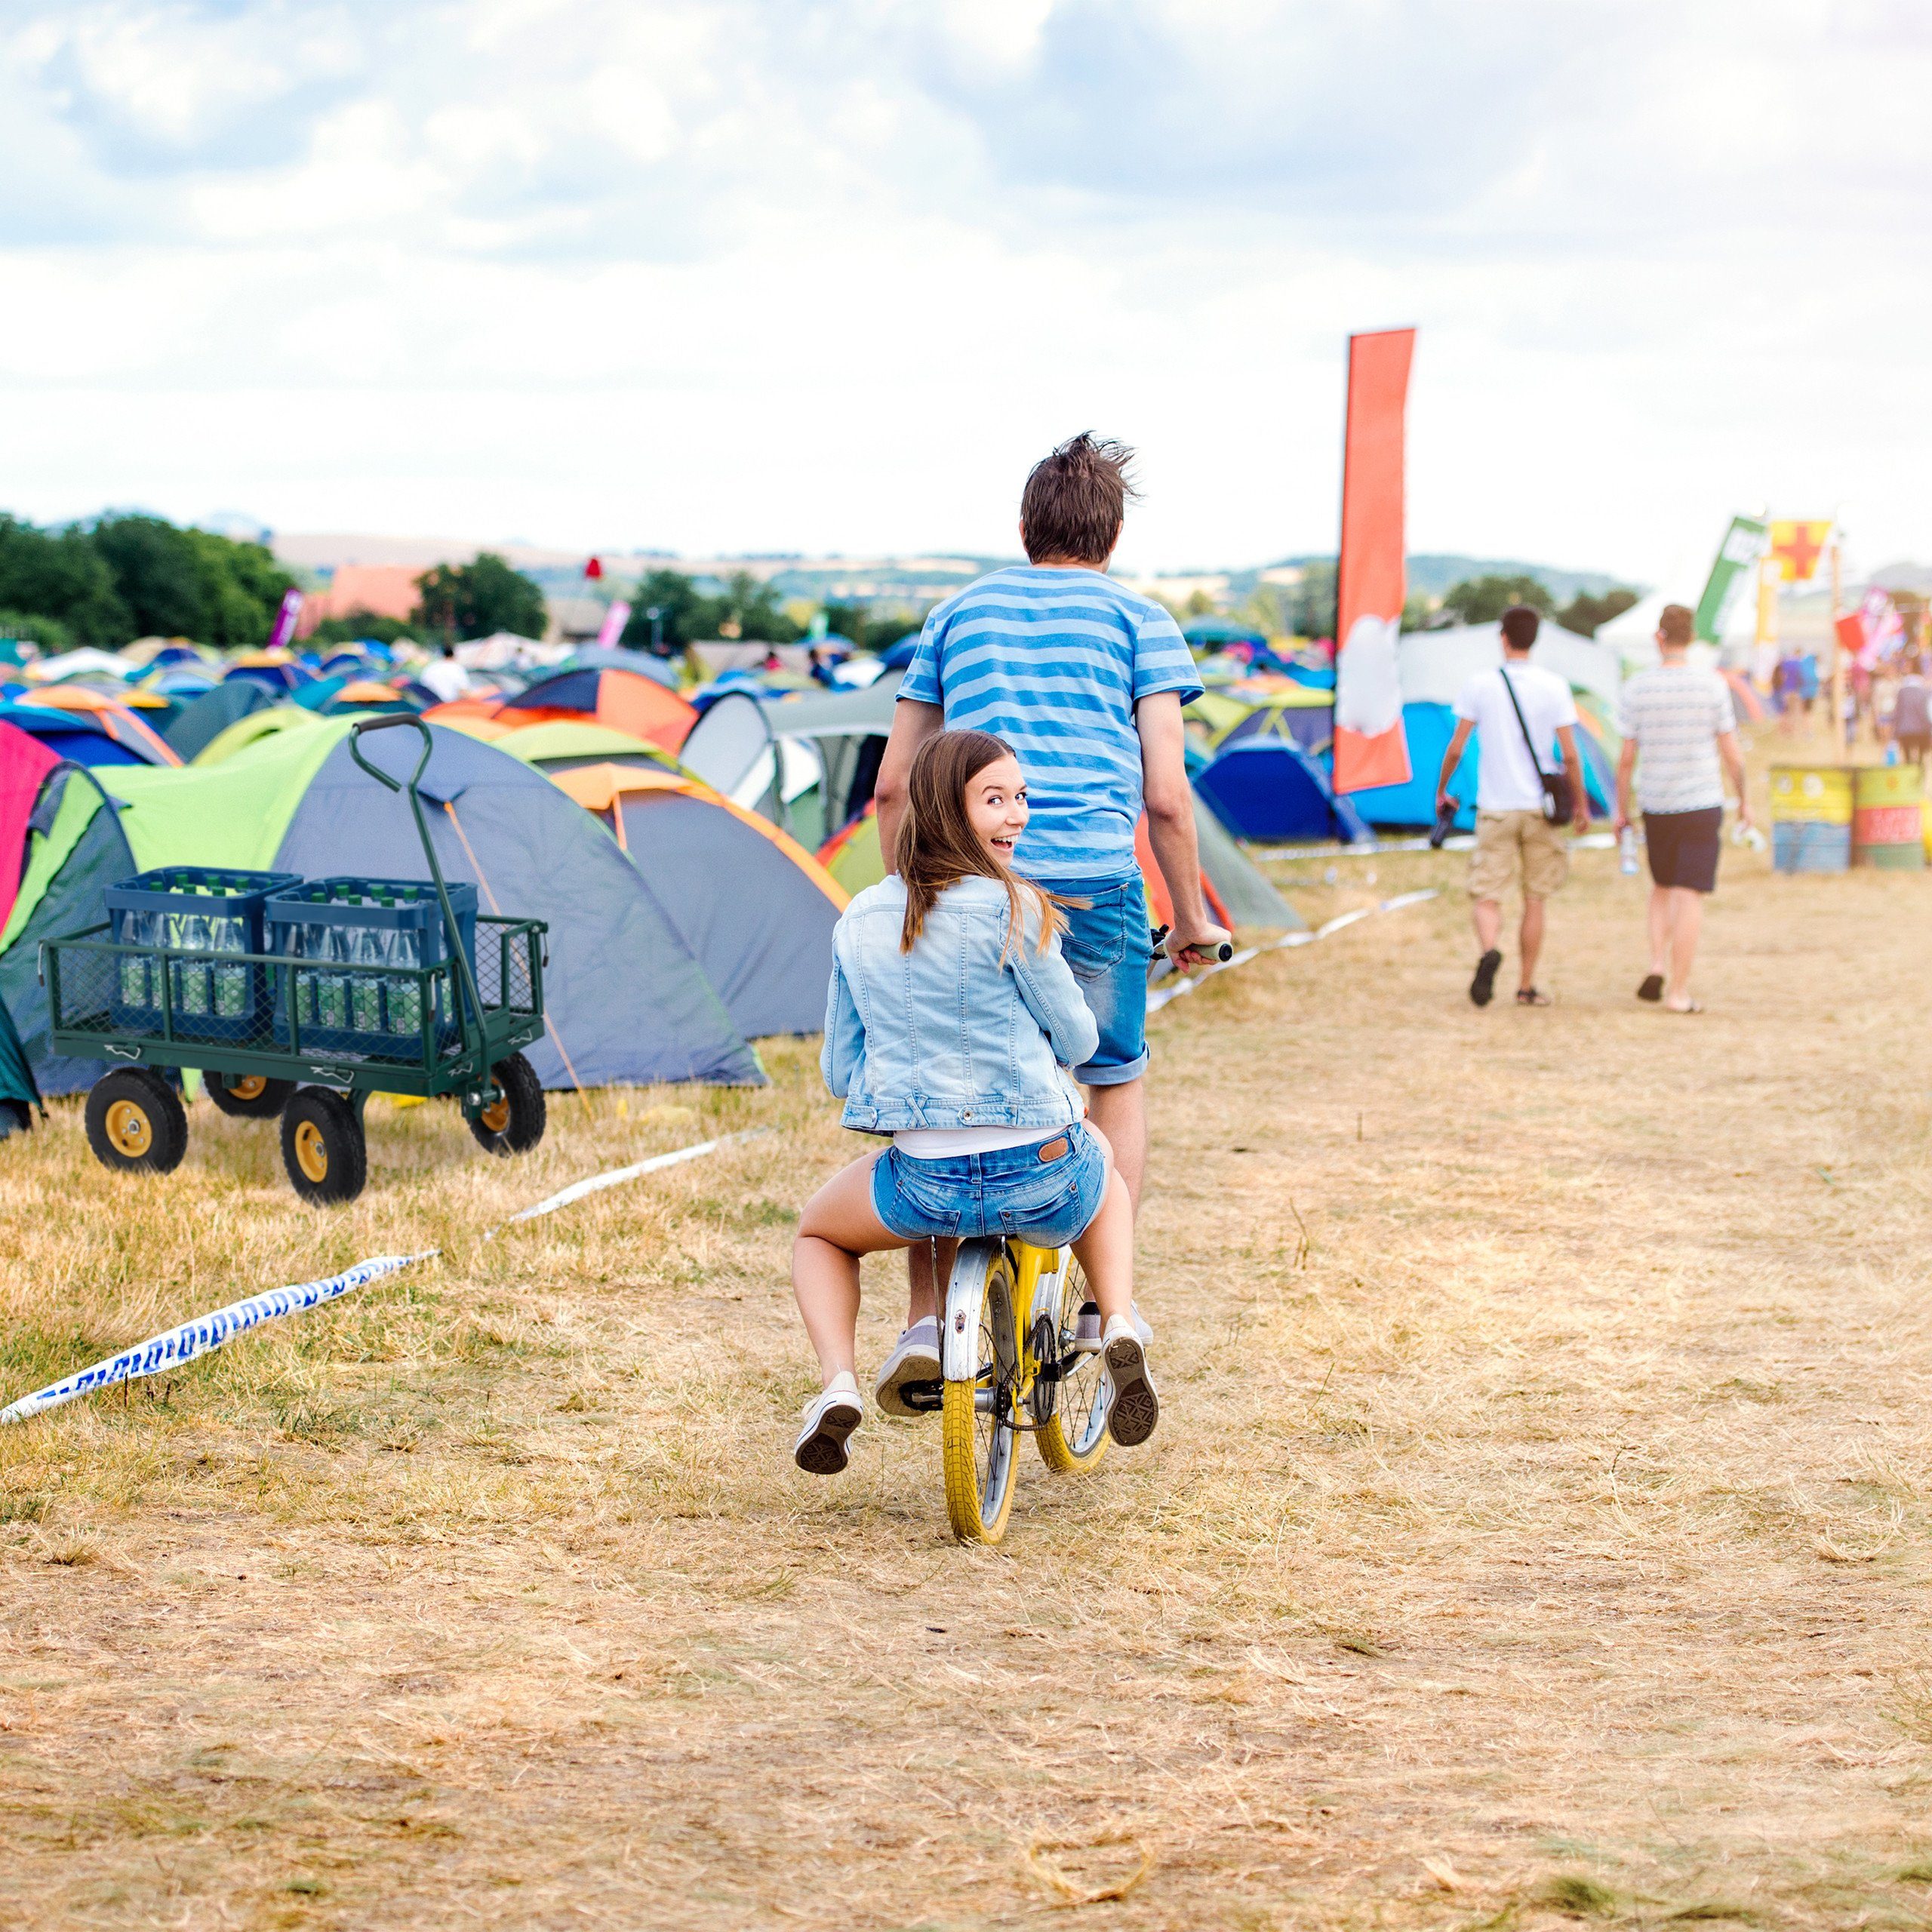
column 1018, row 1359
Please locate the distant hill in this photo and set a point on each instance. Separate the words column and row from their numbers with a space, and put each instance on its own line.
column 1430, row 573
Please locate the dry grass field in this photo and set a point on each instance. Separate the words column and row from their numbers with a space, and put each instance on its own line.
column 1535, row 1534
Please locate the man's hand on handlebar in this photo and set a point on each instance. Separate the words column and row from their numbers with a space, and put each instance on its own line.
column 1206, row 945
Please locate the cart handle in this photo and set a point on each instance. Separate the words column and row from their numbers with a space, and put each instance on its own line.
column 366, row 725
column 453, row 932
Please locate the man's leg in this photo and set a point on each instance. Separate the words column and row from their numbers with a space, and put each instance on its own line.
column 1487, row 914
column 1687, row 921
column 1660, row 917
column 1120, row 1114
column 1531, row 940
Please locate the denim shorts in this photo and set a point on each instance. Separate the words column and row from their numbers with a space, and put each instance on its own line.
column 1106, row 945
column 1011, row 1191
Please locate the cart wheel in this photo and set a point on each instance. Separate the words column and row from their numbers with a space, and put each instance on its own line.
column 249, row 1096
column 322, row 1146
column 135, row 1120
column 513, row 1121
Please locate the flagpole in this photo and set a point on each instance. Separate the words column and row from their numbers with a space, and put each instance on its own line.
column 1838, row 648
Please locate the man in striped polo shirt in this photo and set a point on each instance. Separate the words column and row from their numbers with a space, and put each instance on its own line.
column 1086, row 681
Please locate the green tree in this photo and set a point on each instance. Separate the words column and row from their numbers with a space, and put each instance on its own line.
column 177, row 583
column 753, row 607
column 49, row 633
column 1584, row 613
column 870, row 627
column 357, row 625
column 242, row 587
column 1314, row 600
column 478, row 599
column 683, row 615
column 60, row 576
column 1482, row 600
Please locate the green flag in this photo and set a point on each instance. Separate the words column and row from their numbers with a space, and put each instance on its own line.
column 1743, row 544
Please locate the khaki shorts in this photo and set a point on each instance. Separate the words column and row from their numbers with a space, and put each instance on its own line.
column 1503, row 840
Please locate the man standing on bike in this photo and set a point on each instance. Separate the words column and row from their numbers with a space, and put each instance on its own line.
column 1086, row 681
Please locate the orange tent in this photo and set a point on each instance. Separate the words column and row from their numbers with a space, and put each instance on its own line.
column 624, row 701
column 114, row 716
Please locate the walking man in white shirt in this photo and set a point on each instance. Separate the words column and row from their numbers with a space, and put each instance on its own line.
column 1677, row 723
column 1520, row 714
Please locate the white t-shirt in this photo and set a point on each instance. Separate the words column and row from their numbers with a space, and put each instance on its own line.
column 445, row 677
column 1506, row 780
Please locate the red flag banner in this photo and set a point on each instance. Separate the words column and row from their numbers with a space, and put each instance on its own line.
column 1370, row 748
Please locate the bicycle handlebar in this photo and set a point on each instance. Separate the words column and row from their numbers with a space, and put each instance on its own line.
column 1158, row 938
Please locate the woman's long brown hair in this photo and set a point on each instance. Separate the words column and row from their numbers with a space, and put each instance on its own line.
column 936, row 845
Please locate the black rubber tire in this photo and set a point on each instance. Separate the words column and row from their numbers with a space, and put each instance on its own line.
column 323, row 1147
column 266, row 1105
column 520, row 1113
column 135, row 1100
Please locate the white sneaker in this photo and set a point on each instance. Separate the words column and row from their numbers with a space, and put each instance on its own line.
column 1136, row 1408
column 915, row 1360
column 1087, row 1331
column 830, row 1418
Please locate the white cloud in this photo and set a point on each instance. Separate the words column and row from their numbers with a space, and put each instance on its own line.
column 816, row 273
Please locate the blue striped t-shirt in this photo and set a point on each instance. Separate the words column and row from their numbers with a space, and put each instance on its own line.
column 1053, row 661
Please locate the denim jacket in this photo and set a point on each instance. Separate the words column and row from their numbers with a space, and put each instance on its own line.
column 945, row 1036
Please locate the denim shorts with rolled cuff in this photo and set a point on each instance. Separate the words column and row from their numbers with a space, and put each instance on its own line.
column 1105, row 946
column 1046, row 1193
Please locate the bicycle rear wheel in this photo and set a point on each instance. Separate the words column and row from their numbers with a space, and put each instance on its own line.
column 979, row 1418
column 1074, row 1436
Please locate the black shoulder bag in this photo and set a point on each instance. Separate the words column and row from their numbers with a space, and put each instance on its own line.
column 1558, row 804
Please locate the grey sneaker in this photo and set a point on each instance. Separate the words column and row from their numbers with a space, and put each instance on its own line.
column 1086, row 1330
column 913, row 1363
column 1135, row 1408
column 830, row 1418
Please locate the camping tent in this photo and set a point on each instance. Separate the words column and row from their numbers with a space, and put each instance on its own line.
column 563, row 746
column 625, row 700
column 1428, row 727
column 626, row 1000
column 252, row 728
column 764, row 938
column 89, row 738
column 1271, row 788
column 203, row 719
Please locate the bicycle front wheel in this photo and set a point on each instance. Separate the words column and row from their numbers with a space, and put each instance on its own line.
column 1074, row 1436
column 979, row 1419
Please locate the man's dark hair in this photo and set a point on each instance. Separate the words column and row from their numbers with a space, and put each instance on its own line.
column 1676, row 624
column 1520, row 626
column 1075, row 501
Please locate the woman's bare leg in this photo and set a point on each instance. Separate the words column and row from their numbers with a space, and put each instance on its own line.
column 1106, row 1251
column 838, row 1226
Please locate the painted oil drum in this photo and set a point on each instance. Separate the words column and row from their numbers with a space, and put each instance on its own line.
column 1804, row 845
column 1888, row 817
column 1811, row 794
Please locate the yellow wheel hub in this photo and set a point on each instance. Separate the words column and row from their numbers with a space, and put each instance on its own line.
column 130, row 1129
column 311, row 1151
column 251, row 1087
column 497, row 1115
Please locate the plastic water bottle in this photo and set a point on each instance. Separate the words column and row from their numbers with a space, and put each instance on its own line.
column 195, row 988
column 231, row 982
column 332, row 988
column 365, row 988
column 1626, row 852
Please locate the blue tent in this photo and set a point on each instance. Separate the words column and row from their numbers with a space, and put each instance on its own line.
column 201, row 721
column 1269, row 789
column 82, row 737
column 1428, row 727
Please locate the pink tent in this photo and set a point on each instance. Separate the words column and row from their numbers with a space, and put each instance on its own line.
column 24, row 764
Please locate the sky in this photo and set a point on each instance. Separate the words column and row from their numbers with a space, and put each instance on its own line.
column 827, row 276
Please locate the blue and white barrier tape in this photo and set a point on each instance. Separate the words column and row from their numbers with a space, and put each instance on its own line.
column 177, row 1346
column 1173, row 989
column 180, row 1346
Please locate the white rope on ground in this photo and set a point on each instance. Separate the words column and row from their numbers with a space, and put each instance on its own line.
column 178, row 1345
column 1174, row 988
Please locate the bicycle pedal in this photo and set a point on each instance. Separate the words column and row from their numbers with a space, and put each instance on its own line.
column 924, row 1399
